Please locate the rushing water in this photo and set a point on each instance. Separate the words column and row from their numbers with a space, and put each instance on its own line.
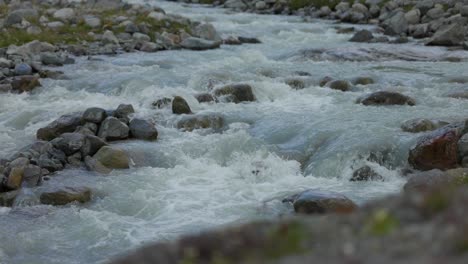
column 187, row 182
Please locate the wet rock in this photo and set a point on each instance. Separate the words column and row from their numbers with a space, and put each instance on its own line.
column 32, row 175
column 247, row 40
column 386, row 98
column 413, row 16
column 463, row 146
column 50, row 164
column 362, row 36
column 64, row 124
column 366, row 173
column 295, row 83
column 205, row 98
column 193, row 43
column 190, row 123
column 325, row 80
column 450, row 35
column 75, row 159
column 421, row 125
column 25, row 83
column 23, row 69
column 346, row 30
column 143, row 129
column 320, row 202
column 124, row 111
column 69, row 143
column 7, row 199
column 94, row 115
column 438, row 149
column 15, row 178
column 113, row 129
column 66, row 195
column 340, row 85
column 91, row 145
column 94, row 165
column 161, row 103
column 236, row 93
column 180, row 106
column 363, row 81
column 112, row 158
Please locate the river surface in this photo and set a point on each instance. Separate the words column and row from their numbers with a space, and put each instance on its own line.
column 287, row 141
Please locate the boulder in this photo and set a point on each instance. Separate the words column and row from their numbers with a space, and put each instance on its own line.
column 463, row 146
column 94, row 165
column 52, row 59
column 143, row 129
column 15, row 178
column 92, row 21
column 113, row 129
column 23, row 69
column 386, row 98
column 180, row 106
column 236, row 93
column 421, row 125
column 112, row 158
column 66, row 195
column 64, row 124
column 94, row 115
column 362, row 36
column 366, row 173
column 8, row 198
column 65, row 14
column 320, row 202
column 341, row 85
column 190, row 123
column 295, row 83
column 396, row 24
column 69, row 143
column 91, row 145
column 325, row 80
column 413, row 16
column 124, row 111
column 32, row 175
column 25, row 83
column 206, row 31
column 450, row 35
column 109, row 38
column 438, row 149
column 193, row 43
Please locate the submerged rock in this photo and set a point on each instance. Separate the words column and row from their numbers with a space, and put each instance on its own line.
column 363, row 81
column 362, row 36
column 199, row 44
column 66, row 195
column 205, row 98
column 180, row 106
column 113, row 158
column 319, row 202
column 190, row 123
column 366, row 173
column 386, row 98
column 340, row 85
column 236, row 93
column 25, row 83
column 421, row 125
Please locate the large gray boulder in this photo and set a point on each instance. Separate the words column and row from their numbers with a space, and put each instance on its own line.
column 450, row 35
column 94, row 115
column 143, row 129
column 65, row 14
column 396, row 24
column 91, row 145
column 69, row 143
column 113, row 129
column 207, row 31
column 236, row 93
column 64, row 124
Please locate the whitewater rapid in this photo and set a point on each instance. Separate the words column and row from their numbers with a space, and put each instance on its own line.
column 287, row 141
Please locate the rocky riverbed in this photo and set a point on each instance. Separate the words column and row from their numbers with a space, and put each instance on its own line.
column 124, row 123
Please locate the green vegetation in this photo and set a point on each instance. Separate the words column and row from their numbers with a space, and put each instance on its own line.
column 298, row 4
column 65, row 35
column 381, row 223
column 285, row 240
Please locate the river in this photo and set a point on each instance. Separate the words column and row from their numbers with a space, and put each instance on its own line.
column 185, row 182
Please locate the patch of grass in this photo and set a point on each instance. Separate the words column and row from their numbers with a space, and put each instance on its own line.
column 3, row 10
column 381, row 223
column 298, row 4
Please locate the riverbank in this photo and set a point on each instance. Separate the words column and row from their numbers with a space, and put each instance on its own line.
column 435, row 22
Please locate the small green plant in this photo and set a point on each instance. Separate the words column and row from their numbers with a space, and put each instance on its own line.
column 382, row 223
